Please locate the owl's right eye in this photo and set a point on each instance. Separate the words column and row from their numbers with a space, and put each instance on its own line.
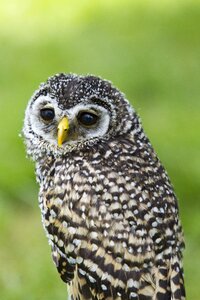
column 47, row 114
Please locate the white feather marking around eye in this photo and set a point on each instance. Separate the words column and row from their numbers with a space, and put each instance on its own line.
column 104, row 118
column 32, row 116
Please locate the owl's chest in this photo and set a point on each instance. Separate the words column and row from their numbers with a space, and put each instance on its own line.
column 90, row 192
column 85, row 198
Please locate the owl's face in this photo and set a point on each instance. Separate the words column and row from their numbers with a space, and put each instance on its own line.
column 59, row 126
column 70, row 111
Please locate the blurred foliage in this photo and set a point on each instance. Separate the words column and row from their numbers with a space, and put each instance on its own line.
column 151, row 51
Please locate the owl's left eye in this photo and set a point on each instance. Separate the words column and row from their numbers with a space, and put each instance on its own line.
column 47, row 114
column 87, row 118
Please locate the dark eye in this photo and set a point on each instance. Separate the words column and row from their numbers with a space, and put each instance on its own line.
column 47, row 114
column 87, row 118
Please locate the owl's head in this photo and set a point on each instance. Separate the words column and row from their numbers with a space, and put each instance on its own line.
column 70, row 112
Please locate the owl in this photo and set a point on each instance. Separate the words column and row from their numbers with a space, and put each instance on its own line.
column 108, row 207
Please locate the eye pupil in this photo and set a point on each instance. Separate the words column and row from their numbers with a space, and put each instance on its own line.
column 87, row 118
column 47, row 114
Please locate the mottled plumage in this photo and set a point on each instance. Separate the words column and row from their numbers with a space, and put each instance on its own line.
column 108, row 207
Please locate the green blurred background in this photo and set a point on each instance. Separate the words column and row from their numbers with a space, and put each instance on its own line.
column 151, row 51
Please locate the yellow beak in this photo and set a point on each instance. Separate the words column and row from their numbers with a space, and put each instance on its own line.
column 63, row 128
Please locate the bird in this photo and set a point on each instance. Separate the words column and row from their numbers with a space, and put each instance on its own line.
column 108, row 207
